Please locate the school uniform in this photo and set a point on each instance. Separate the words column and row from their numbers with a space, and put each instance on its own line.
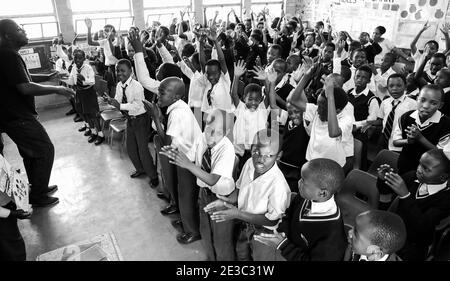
column 421, row 210
column 320, row 144
column 435, row 129
column 12, row 246
column 446, row 99
column 401, row 105
column 217, row 96
column 391, row 257
column 130, row 96
column 314, row 231
column 62, row 66
column 183, row 129
column 350, row 84
column 86, row 102
column 268, row 194
column 246, row 126
column 381, row 83
column 371, row 51
column 295, row 143
column 283, row 89
column 217, row 237
column 311, row 52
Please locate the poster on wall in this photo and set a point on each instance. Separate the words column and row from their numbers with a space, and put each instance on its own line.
column 14, row 185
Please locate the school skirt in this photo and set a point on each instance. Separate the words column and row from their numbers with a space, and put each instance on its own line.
column 86, row 101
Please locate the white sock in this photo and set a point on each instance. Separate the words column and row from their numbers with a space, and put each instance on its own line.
column 95, row 131
column 100, row 133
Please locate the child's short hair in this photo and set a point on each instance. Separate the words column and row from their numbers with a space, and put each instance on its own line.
column 381, row 29
column 392, row 55
column 439, row 155
column 241, row 25
column 124, row 62
column 366, row 69
column 440, row 56
column 188, row 50
column 357, row 51
column 268, row 137
column 282, row 62
column 328, row 174
column 434, row 43
column 165, row 30
column 434, row 87
column 232, row 25
column 257, row 35
column 110, row 27
column 332, row 45
column 79, row 52
column 340, row 97
column 346, row 73
column 168, row 70
column 388, row 231
column 278, row 48
column 355, row 45
column 252, row 88
column 396, row 75
column 214, row 62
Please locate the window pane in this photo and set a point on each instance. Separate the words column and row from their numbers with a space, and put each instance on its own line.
column 34, row 20
column 33, row 30
column 99, row 5
column 164, row 16
column 98, row 21
column 221, row 2
column 50, row 29
column 22, row 7
column 223, row 12
column 274, row 9
column 171, row 3
column 126, row 23
column 266, row 1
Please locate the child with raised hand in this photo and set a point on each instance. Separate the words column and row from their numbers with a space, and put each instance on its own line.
column 443, row 81
column 377, row 236
column 259, row 200
column 213, row 167
column 251, row 113
column 422, row 129
column 313, row 228
column 423, row 201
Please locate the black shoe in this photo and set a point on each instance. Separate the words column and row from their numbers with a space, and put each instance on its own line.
column 178, row 225
column 82, row 129
column 99, row 140
column 136, row 174
column 51, row 189
column 154, row 183
column 187, row 238
column 162, row 196
column 70, row 112
column 92, row 138
column 88, row 133
column 169, row 210
column 44, row 202
column 77, row 118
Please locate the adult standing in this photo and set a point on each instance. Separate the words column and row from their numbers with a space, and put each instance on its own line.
column 386, row 46
column 18, row 116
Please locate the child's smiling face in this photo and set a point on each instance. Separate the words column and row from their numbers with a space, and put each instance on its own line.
column 252, row 100
column 294, row 114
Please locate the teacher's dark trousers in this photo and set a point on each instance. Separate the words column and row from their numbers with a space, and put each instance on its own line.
column 37, row 152
column 12, row 246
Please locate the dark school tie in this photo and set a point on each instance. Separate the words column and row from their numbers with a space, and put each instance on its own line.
column 124, row 96
column 208, row 96
column 206, row 160
column 390, row 122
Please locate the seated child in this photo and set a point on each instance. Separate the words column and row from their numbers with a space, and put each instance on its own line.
column 328, row 123
column 262, row 196
column 443, row 81
column 382, row 74
column 377, row 236
column 213, row 167
column 423, row 201
column 82, row 77
column 313, row 228
column 421, row 130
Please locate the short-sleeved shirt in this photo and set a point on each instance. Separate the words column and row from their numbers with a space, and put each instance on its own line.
column 222, row 164
column 268, row 195
column 247, row 124
column 220, row 94
column 110, row 59
column 320, row 144
column 13, row 71
column 183, row 127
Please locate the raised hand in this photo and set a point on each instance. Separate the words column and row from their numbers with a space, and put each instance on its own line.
column 426, row 26
column 271, row 76
column 212, row 35
column 135, row 41
column 445, row 28
column 88, row 23
column 239, row 68
column 259, row 72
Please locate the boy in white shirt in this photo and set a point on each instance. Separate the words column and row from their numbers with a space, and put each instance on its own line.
column 262, row 196
column 214, row 163
column 382, row 74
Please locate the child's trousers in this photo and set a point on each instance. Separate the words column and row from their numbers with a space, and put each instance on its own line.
column 12, row 246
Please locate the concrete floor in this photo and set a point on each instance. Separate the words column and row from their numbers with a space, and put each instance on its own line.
column 98, row 196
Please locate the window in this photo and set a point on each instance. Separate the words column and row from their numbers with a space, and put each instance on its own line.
column 164, row 12
column 37, row 17
column 272, row 6
column 101, row 12
column 223, row 7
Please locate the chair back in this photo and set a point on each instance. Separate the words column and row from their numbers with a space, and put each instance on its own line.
column 384, row 157
column 357, row 150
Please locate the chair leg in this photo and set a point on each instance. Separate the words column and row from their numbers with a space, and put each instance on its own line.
column 111, row 138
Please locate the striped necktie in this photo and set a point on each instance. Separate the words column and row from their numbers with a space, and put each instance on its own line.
column 206, row 161
column 390, row 122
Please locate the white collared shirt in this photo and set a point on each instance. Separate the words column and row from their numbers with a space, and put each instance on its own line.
column 196, row 90
column 86, row 71
column 350, row 84
column 386, row 47
column 222, row 164
column 142, row 74
column 183, row 127
column 320, row 144
column 59, row 66
column 435, row 118
column 110, row 59
column 364, row 258
column 418, row 59
column 381, row 83
column 269, row 194
column 374, row 107
column 247, row 125
column 321, row 209
column 406, row 104
column 135, row 95
column 220, row 94
column 425, row 190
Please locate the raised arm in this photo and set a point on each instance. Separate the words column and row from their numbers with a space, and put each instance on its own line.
column 419, row 73
column 220, row 55
column 90, row 42
column 201, row 54
column 239, row 70
column 298, row 96
column 445, row 31
column 333, row 126
column 416, row 39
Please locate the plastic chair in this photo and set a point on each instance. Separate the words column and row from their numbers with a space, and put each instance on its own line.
column 108, row 115
column 117, row 126
column 357, row 184
column 384, row 157
column 357, row 152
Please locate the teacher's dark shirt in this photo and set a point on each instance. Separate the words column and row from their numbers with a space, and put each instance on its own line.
column 13, row 104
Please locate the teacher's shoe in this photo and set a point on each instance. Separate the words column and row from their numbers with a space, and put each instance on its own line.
column 169, row 210
column 187, row 238
column 51, row 189
column 46, row 201
column 99, row 140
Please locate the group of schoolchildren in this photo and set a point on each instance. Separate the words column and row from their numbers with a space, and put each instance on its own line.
column 254, row 129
